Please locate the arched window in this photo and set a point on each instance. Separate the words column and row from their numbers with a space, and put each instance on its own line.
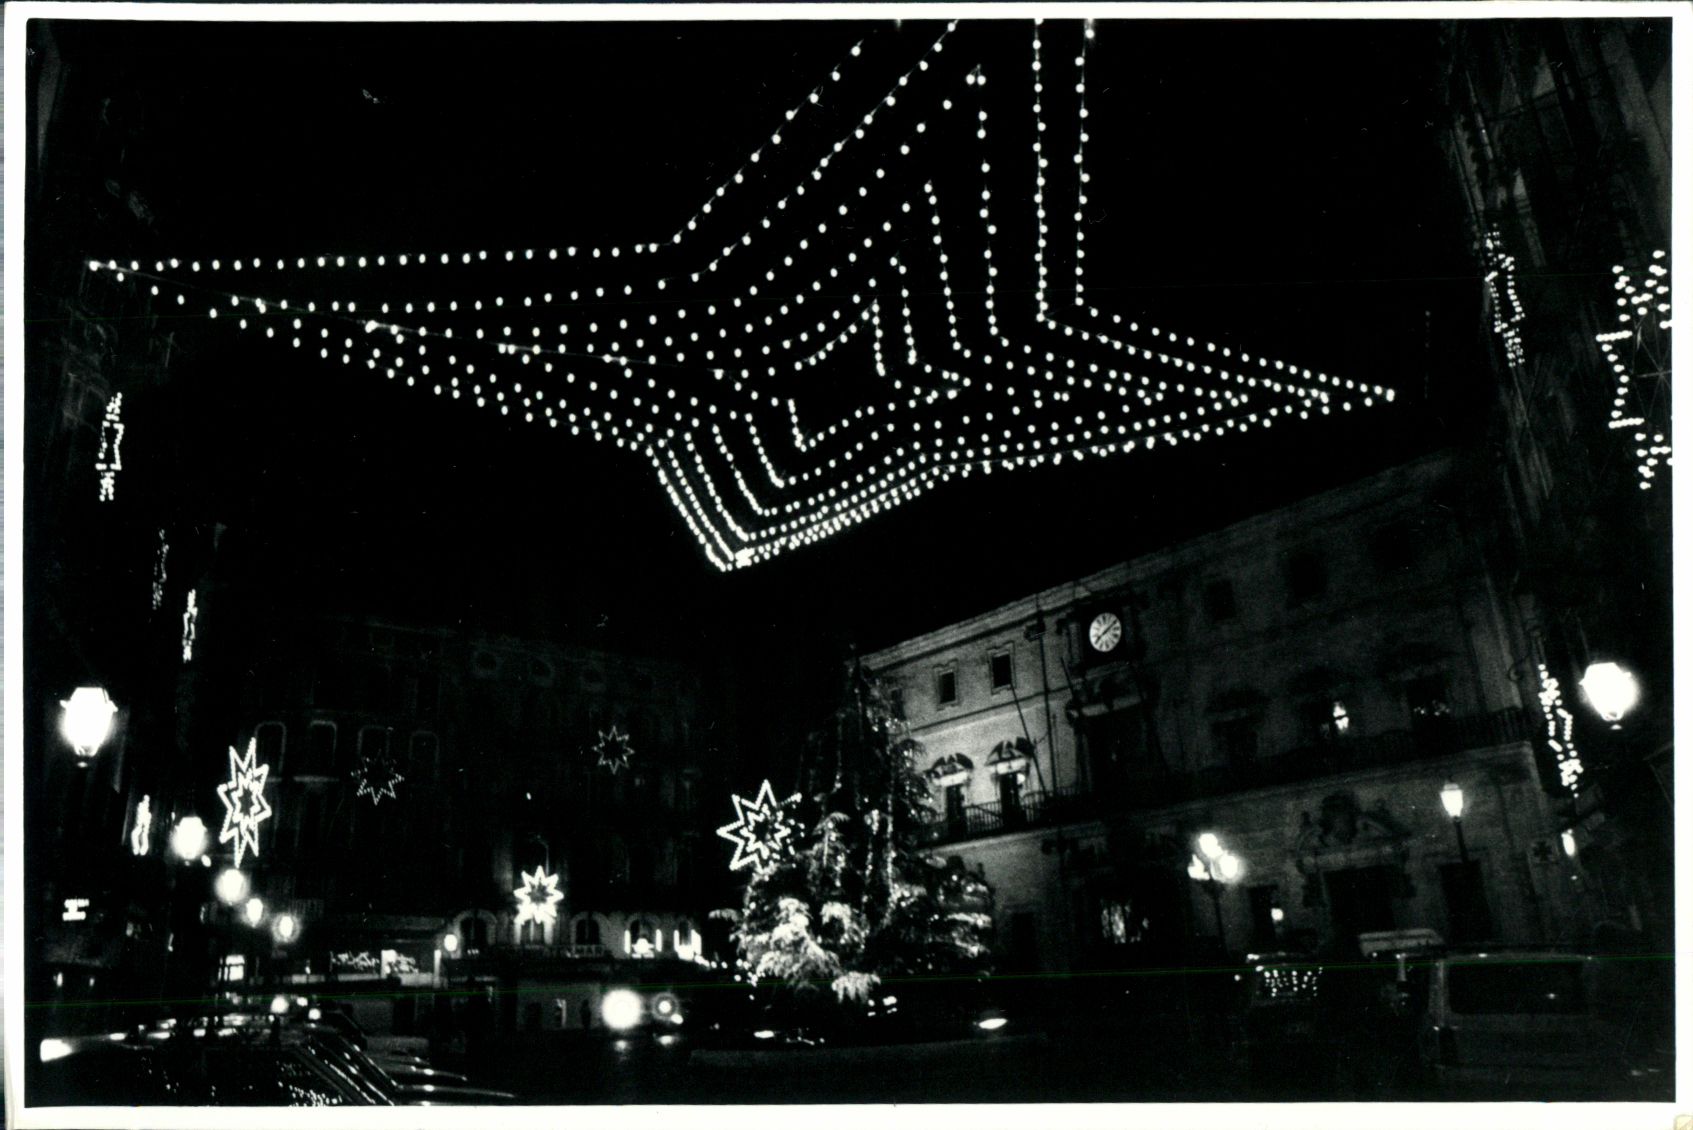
column 687, row 941
column 587, row 932
column 643, row 938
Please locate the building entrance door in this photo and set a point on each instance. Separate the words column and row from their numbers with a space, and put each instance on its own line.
column 1360, row 901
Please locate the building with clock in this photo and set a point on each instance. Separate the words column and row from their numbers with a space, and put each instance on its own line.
column 1306, row 686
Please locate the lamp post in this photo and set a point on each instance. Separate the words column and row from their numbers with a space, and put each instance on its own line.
column 1611, row 690
column 1452, row 797
column 1212, row 866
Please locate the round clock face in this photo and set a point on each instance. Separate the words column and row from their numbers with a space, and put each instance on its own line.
column 1105, row 632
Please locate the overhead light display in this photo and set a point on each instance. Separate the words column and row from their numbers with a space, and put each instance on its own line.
column 109, row 461
column 761, row 831
column 846, row 323
column 538, row 898
column 1638, row 353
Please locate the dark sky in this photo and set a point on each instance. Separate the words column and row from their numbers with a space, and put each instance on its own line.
column 1275, row 184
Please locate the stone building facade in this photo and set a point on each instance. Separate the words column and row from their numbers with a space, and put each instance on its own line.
column 1302, row 685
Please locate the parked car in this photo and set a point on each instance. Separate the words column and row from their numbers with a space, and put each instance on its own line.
column 1534, row 1024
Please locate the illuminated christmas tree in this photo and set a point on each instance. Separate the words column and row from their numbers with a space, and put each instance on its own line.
column 856, row 898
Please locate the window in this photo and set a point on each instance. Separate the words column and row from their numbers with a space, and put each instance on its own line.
column 1116, row 741
column 428, row 691
column 1235, row 738
column 1011, row 799
column 946, row 687
column 955, row 816
column 1114, row 923
column 1219, row 601
column 999, row 670
column 643, row 938
column 1427, row 699
column 587, row 932
column 320, row 751
column 1323, row 720
column 1305, row 577
column 373, row 741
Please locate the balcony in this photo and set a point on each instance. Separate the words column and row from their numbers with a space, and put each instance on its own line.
column 1393, row 747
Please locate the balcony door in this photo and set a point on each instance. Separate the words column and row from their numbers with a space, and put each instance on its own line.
column 1360, row 901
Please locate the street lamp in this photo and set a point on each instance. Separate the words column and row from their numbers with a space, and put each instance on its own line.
column 1611, row 689
column 255, row 910
column 231, row 886
column 1452, row 797
column 450, row 944
column 285, row 927
column 188, row 839
column 87, row 721
column 1212, row 866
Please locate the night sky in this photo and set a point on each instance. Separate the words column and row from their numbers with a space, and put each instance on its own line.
column 1275, row 184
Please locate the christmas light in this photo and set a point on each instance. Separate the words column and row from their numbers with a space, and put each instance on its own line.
column 538, row 898
column 594, row 348
column 244, row 804
column 76, row 910
column 1641, row 378
column 1560, row 732
column 761, row 831
column 190, row 625
column 377, row 775
column 139, row 836
column 189, row 838
column 1508, row 313
column 230, row 886
column 613, row 750
column 109, row 461
column 159, row 576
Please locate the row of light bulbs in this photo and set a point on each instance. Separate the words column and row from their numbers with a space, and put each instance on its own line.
column 850, row 483
column 1641, row 305
column 108, row 460
column 1508, row 312
column 1560, row 731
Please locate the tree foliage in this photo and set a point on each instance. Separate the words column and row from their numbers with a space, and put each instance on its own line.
column 859, row 898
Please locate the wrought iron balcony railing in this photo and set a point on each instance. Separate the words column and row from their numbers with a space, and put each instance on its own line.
column 1438, row 737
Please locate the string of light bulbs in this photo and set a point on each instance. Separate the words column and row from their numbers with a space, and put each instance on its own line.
column 655, row 379
column 1643, row 313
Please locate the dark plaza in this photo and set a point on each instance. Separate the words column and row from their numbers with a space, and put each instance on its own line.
column 810, row 560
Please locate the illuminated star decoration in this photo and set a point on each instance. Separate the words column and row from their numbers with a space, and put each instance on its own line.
column 140, row 835
column 852, row 318
column 761, row 831
column 614, row 750
column 538, row 898
column 244, row 804
column 1638, row 352
column 377, row 776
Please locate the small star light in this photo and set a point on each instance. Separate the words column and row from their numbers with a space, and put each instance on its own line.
column 244, row 804
column 614, row 750
column 538, row 898
column 761, row 830
column 139, row 836
column 377, row 777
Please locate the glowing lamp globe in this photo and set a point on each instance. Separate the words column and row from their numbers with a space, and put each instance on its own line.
column 1229, row 867
column 1197, row 870
column 1610, row 688
column 188, row 838
column 278, row 1005
column 1452, row 797
column 255, row 911
column 1210, row 845
column 231, row 886
column 621, row 1009
column 450, row 944
column 87, row 720
column 287, row 926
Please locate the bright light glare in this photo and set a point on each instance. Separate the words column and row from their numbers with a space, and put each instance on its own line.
column 991, row 1024
column 278, row 1005
column 1210, row 845
column 1452, row 796
column 255, row 911
column 87, row 720
column 188, row 838
column 54, row 1049
column 621, row 1009
column 1610, row 689
column 231, row 886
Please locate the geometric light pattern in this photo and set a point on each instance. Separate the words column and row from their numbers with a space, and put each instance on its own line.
column 848, row 321
column 377, row 776
column 244, row 804
column 109, row 461
column 190, row 625
column 1560, row 732
column 761, row 831
column 614, row 750
column 1507, row 307
column 1643, row 315
column 159, row 575
column 140, row 835
column 538, row 898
